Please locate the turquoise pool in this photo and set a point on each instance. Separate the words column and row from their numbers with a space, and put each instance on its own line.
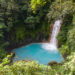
column 36, row 52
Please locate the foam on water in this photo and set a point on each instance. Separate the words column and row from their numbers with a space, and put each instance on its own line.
column 49, row 47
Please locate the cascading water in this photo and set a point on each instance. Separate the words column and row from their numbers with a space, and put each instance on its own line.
column 52, row 46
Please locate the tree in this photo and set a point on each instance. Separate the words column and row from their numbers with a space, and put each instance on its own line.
column 35, row 4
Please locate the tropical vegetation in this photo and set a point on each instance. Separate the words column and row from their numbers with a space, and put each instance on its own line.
column 27, row 21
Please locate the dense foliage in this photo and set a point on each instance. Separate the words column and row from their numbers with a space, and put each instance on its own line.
column 61, row 8
column 71, row 39
column 18, row 23
column 33, row 68
column 68, row 67
column 25, row 68
column 36, row 4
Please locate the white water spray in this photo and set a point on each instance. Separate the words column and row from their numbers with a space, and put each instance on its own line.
column 52, row 46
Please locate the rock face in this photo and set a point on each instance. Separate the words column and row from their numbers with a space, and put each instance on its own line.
column 51, row 28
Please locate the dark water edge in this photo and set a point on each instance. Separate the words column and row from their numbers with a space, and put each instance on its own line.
column 23, row 43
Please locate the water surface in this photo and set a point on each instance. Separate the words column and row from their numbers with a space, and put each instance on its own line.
column 36, row 52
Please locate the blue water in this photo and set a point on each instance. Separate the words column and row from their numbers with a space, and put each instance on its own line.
column 36, row 52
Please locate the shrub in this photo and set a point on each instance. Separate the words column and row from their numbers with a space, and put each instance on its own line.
column 26, row 68
column 69, row 66
column 71, row 39
column 3, row 53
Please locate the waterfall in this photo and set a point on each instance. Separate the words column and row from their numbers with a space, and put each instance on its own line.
column 53, row 42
